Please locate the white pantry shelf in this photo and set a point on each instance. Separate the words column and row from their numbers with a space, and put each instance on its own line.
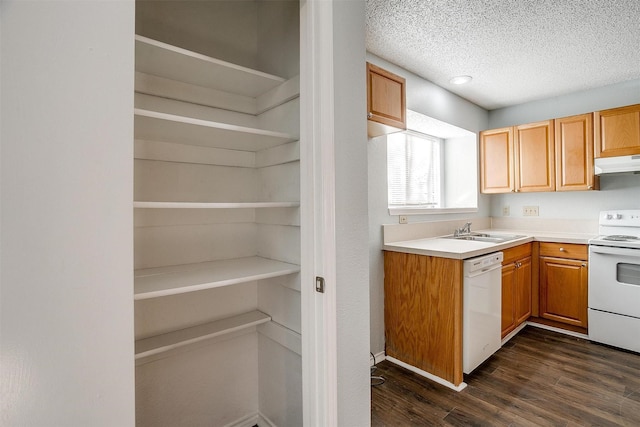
column 156, row 126
column 172, row 62
column 165, row 342
column 213, row 205
column 179, row 279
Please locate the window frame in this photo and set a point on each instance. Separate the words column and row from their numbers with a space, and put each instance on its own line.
column 423, row 209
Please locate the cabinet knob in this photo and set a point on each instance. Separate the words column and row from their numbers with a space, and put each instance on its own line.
column 584, row 265
column 369, row 115
column 589, row 187
column 562, row 250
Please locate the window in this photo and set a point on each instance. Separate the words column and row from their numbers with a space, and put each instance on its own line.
column 432, row 168
column 414, row 165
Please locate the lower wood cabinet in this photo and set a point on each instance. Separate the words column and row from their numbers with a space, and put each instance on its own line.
column 516, row 287
column 563, row 283
column 423, row 301
column 423, row 313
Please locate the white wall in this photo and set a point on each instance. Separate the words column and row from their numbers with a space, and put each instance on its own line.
column 351, row 213
column 436, row 102
column 279, row 37
column 461, row 171
column 616, row 191
column 611, row 96
column 225, row 30
column 66, row 175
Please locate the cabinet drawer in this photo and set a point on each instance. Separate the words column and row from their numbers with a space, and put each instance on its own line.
column 516, row 253
column 564, row 250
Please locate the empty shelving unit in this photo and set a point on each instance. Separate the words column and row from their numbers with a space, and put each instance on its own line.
column 217, row 214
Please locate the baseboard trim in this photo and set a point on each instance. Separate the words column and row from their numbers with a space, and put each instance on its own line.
column 559, row 330
column 514, row 332
column 263, row 421
column 427, row 375
column 377, row 358
column 251, row 420
column 246, row 421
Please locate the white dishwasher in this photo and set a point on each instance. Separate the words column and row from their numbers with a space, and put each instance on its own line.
column 482, row 309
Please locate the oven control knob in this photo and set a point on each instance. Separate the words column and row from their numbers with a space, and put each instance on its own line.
column 618, row 216
column 609, row 216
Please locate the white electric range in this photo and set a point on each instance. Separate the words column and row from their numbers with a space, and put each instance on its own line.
column 614, row 280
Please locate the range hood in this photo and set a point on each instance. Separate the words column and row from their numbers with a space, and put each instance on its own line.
column 622, row 164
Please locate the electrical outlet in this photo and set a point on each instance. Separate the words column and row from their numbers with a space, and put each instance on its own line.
column 403, row 219
column 506, row 211
column 530, row 211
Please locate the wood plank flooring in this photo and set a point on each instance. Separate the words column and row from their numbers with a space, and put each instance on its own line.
column 538, row 378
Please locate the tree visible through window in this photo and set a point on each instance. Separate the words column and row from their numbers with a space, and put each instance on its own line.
column 414, row 170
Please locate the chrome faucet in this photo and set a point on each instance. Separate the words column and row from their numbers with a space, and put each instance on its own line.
column 466, row 229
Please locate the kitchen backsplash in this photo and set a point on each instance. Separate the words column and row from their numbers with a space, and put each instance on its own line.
column 422, row 230
column 586, row 226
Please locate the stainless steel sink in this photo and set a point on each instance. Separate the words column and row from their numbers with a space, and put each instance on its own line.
column 486, row 237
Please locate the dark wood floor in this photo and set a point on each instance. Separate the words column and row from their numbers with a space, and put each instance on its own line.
column 539, row 378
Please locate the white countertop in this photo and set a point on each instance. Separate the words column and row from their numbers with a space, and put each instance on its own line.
column 463, row 249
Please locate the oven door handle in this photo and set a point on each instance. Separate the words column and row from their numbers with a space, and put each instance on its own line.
column 610, row 250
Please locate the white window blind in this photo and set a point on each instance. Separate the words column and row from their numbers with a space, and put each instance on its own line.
column 414, row 170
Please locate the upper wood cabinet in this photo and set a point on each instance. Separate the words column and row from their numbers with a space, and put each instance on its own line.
column 386, row 102
column 556, row 155
column 574, row 153
column 553, row 155
column 535, row 157
column 496, row 161
column 519, row 158
column 617, row 131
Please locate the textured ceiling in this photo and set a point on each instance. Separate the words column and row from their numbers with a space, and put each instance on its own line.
column 515, row 50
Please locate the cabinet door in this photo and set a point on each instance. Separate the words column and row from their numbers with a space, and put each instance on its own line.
column 563, row 290
column 574, row 153
column 496, row 161
column 534, row 153
column 508, row 291
column 522, row 303
column 617, row 131
column 386, row 109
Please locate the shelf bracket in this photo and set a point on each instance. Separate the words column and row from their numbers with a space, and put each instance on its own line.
column 320, row 284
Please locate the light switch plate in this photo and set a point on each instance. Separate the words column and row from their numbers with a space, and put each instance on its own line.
column 403, row 219
column 530, row 211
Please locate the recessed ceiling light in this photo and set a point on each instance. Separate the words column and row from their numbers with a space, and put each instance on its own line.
column 460, row 80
